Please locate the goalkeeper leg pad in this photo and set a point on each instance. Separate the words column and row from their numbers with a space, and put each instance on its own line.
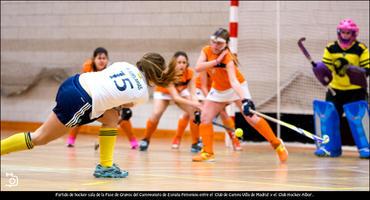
column 357, row 114
column 326, row 121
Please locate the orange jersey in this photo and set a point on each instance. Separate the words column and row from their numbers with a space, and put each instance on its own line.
column 180, row 85
column 88, row 66
column 219, row 76
column 198, row 83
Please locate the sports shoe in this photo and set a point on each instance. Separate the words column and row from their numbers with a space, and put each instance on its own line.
column 175, row 143
column 109, row 172
column 200, row 143
column 322, row 152
column 133, row 143
column 144, row 144
column 71, row 141
column 236, row 144
column 282, row 152
column 364, row 153
column 96, row 146
column 204, row 157
column 195, row 148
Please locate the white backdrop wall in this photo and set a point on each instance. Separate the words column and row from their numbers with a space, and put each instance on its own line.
column 49, row 35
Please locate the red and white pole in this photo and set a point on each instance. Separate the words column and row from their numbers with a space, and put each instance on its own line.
column 233, row 26
column 233, row 44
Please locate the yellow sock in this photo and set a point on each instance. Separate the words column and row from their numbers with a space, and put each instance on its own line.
column 16, row 142
column 107, row 140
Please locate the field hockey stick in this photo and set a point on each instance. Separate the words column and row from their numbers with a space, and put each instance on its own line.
column 323, row 140
column 308, row 56
column 305, row 52
column 233, row 132
column 222, row 126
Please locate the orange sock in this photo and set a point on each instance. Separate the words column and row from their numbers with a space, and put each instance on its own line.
column 181, row 126
column 194, row 130
column 127, row 129
column 150, row 129
column 229, row 122
column 265, row 130
column 74, row 131
column 206, row 131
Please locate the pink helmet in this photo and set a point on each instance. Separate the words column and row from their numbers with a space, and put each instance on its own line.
column 347, row 25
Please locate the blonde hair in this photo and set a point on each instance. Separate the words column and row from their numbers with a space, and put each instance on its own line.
column 155, row 71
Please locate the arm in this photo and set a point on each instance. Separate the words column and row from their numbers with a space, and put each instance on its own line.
column 191, row 86
column 230, row 68
column 246, row 103
column 364, row 61
column 202, row 63
column 87, row 66
column 204, row 82
column 177, row 98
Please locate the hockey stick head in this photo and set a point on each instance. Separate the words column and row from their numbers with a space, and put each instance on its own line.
column 326, row 139
column 301, row 40
column 303, row 49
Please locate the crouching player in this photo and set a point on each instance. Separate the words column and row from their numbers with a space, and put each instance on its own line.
column 344, row 68
column 228, row 85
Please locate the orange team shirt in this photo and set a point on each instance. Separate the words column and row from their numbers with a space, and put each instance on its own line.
column 198, row 83
column 220, row 79
column 181, row 85
column 87, row 66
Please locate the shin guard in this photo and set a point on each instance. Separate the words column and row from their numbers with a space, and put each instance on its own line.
column 326, row 121
column 357, row 114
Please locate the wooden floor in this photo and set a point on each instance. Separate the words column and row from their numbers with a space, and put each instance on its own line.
column 57, row 168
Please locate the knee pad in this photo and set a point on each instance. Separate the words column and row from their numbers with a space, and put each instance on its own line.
column 197, row 117
column 326, row 120
column 126, row 113
column 357, row 114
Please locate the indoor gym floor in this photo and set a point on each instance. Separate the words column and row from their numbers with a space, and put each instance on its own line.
column 55, row 167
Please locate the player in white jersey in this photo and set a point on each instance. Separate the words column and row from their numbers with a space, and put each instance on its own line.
column 121, row 83
column 92, row 96
column 98, row 62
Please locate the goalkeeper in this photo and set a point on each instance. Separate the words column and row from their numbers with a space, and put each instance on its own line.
column 345, row 69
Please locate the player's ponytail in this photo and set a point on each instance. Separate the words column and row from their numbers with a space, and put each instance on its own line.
column 235, row 59
column 155, row 70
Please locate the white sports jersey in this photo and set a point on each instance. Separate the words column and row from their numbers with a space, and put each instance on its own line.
column 118, row 84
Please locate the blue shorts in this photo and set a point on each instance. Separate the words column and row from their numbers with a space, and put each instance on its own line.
column 73, row 103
